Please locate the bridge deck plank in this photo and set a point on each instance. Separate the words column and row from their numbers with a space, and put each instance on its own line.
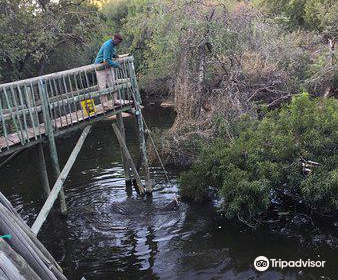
column 62, row 122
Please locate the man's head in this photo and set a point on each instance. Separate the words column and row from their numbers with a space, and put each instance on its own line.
column 117, row 38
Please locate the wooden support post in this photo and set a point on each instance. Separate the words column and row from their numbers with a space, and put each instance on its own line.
column 129, row 158
column 143, row 150
column 43, row 170
column 126, row 165
column 59, row 182
column 51, row 141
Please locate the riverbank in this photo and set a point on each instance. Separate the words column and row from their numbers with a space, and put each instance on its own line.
column 282, row 164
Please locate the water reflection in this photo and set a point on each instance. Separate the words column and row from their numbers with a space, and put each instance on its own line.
column 110, row 235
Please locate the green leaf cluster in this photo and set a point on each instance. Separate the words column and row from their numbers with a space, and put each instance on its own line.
column 261, row 168
column 320, row 15
column 38, row 37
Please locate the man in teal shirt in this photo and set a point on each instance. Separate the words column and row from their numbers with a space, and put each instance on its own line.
column 105, row 74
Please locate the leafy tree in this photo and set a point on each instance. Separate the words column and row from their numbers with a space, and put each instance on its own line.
column 116, row 12
column 318, row 15
column 34, row 35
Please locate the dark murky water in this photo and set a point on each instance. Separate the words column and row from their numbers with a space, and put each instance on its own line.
column 108, row 235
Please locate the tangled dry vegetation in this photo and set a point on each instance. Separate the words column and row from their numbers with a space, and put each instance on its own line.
column 237, row 61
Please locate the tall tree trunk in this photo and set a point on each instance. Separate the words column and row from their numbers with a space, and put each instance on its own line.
column 41, row 67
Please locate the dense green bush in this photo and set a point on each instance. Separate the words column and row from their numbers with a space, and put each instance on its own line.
column 311, row 14
column 261, row 168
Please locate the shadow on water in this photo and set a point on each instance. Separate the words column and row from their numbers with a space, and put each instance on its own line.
column 108, row 235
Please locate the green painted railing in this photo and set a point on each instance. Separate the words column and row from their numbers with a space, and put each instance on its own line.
column 64, row 98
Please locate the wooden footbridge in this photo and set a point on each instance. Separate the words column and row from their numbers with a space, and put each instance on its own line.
column 36, row 111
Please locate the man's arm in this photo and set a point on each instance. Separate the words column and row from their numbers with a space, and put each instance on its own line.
column 107, row 58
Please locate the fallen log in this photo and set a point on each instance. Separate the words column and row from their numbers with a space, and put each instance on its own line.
column 4, row 201
column 13, row 266
column 23, row 245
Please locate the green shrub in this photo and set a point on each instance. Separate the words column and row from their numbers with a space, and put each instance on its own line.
column 311, row 14
column 262, row 166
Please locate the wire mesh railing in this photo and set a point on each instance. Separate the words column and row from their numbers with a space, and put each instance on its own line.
column 65, row 98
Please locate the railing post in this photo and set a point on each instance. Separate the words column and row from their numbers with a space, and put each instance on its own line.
column 51, row 141
column 133, row 82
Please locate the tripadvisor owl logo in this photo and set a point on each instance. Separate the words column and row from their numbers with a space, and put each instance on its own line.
column 261, row 263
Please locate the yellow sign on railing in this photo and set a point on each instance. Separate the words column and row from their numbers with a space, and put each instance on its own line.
column 88, row 107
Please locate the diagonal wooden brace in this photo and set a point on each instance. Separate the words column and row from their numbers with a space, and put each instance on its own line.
column 59, row 183
column 128, row 157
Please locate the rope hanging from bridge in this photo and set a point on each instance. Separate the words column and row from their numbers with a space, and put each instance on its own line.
column 156, row 150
